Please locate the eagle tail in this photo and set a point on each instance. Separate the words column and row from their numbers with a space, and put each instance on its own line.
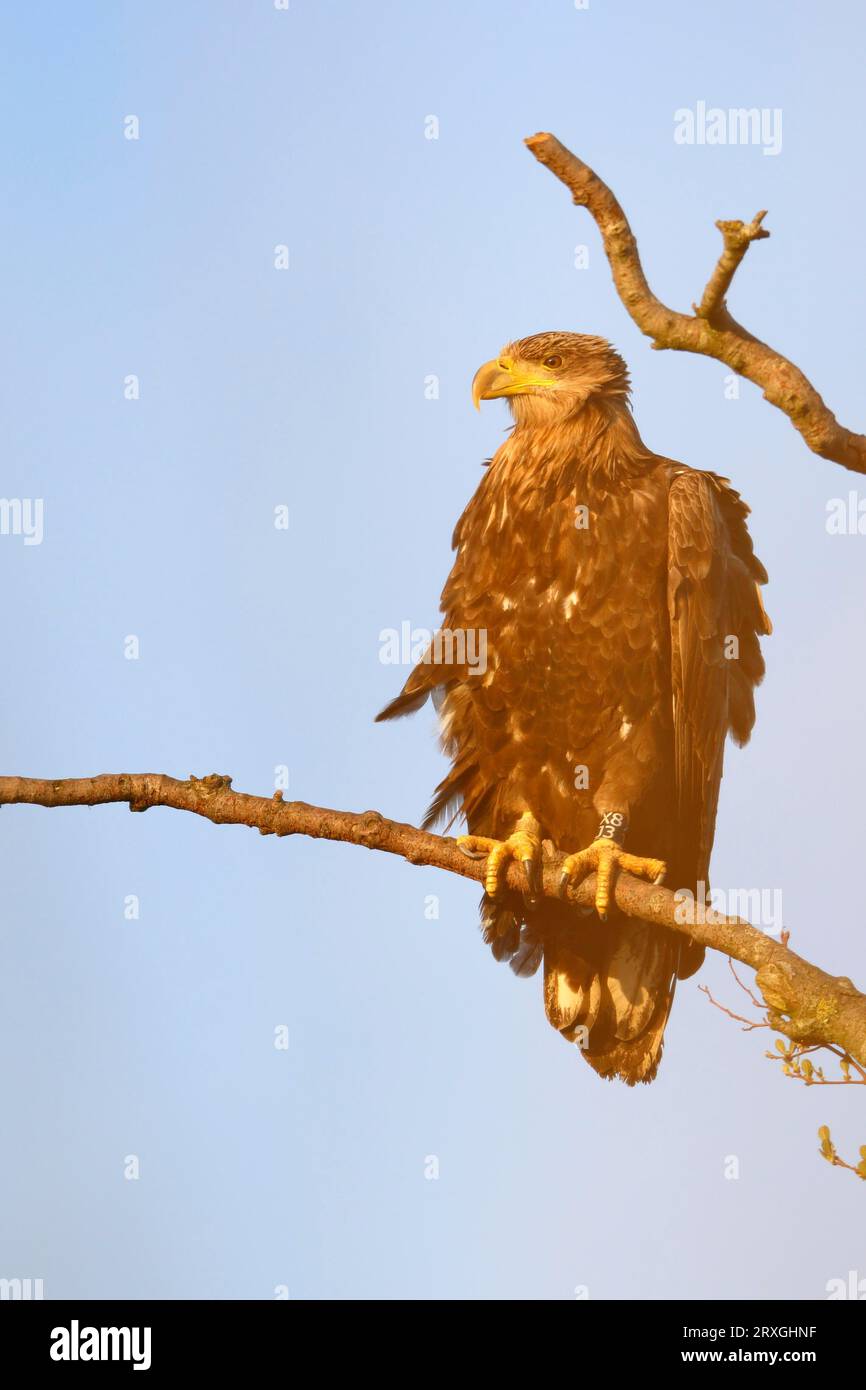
column 608, row 986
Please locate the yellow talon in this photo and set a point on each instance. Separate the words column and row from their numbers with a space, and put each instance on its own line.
column 607, row 859
column 524, row 845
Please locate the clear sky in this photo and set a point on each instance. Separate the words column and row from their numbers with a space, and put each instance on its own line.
column 409, row 257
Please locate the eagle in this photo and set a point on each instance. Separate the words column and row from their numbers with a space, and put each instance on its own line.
column 614, row 595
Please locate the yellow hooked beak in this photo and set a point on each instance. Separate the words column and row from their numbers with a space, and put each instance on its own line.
column 503, row 377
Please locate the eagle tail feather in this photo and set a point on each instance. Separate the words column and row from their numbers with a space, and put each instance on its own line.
column 608, row 987
column 632, row 985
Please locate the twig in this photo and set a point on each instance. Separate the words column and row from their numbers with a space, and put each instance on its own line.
column 710, row 331
column 748, row 1023
column 744, row 987
column 795, row 1060
column 828, row 1151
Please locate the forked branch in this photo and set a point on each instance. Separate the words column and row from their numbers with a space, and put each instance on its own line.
column 710, row 331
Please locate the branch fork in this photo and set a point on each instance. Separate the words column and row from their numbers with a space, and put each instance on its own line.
column 710, row 330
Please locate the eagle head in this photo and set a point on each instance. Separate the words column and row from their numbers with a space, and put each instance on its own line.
column 550, row 376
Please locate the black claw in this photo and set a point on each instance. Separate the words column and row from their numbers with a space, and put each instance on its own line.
column 532, row 869
column 564, row 881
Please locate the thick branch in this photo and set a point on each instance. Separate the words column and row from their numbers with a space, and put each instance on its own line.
column 805, row 1003
column 710, row 331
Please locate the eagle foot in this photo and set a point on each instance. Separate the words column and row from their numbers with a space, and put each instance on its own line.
column 523, row 846
column 608, row 860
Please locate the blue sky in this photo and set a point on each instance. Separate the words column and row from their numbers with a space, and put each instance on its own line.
column 259, row 648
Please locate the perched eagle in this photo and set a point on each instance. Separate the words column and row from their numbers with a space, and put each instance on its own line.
column 614, row 594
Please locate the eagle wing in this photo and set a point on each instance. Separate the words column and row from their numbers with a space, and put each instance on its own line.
column 716, row 616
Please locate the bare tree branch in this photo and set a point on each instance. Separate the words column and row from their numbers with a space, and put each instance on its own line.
column 711, row 331
column 749, row 1024
column 805, row 1003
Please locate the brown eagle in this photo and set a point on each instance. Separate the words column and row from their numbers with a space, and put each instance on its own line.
column 614, row 597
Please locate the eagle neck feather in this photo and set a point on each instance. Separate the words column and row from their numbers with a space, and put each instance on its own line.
column 599, row 441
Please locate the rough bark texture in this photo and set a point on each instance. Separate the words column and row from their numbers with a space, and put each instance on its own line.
column 710, row 331
column 804, row 1003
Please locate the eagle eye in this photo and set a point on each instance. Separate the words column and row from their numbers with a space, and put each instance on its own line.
column 554, row 361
